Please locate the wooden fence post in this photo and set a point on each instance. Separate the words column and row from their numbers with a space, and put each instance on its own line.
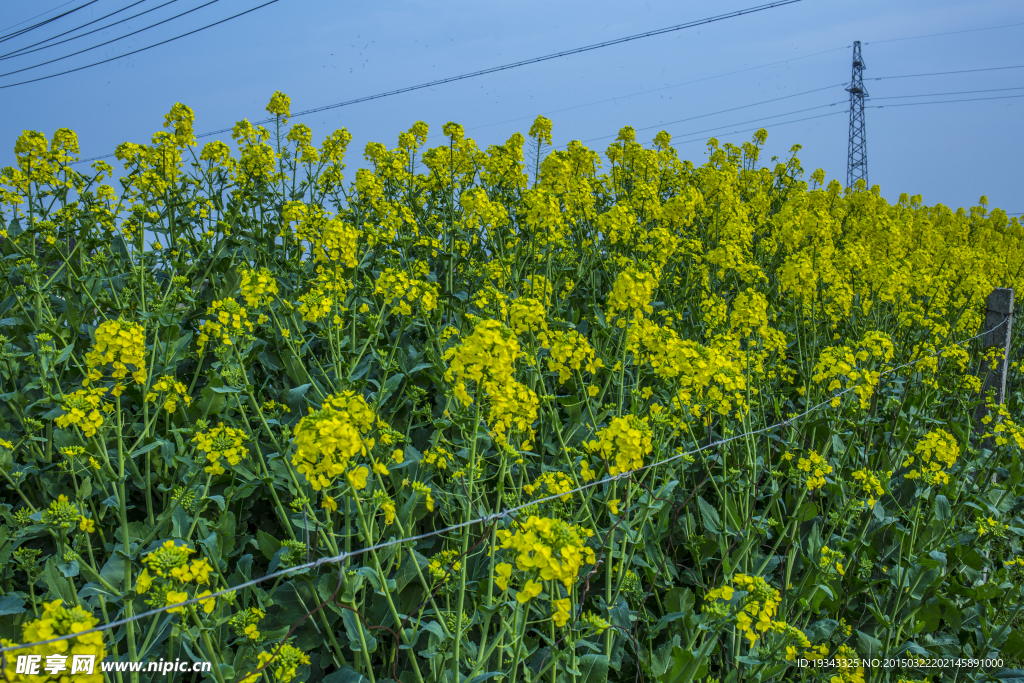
column 996, row 334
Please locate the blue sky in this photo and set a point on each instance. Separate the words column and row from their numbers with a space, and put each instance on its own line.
column 321, row 52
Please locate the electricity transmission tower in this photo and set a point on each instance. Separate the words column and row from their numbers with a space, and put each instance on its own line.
column 857, row 150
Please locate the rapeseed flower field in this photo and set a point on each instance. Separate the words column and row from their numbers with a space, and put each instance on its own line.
column 514, row 414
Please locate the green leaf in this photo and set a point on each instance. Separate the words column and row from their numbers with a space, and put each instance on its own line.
column 64, row 354
column 113, row 571
column 211, row 403
column 593, row 668
column 485, row 676
column 679, row 599
column 345, row 674
column 12, row 603
column 868, row 646
column 710, row 516
column 296, row 396
column 1012, row 647
column 814, row 544
column 267, row 543
column 942, row 510
column 58, row 583
column 407, row 572
column 682, row 663
column 821, row 630
column 390, row 386
column 354, row 627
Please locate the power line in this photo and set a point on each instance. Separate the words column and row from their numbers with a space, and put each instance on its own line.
column 494, row 69
column 943, row 94
column 614, row 99
column 740, row 123
column 36, row 16
column 21, row 52
column 494, row 517
column 112, row 40
column 948, row 33
column 666, row 87
column 526, row 62
column 783, row 123
column 746, row 130
column 772, row 63
column 142, row 49
column 33, row 27
column 797, row 111
column 946, row 73
column 966, row 99
column 746, row 106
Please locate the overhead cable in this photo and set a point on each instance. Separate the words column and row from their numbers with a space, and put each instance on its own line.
column 141, row 49
column 33, row 27
column 112, row 40
column 22, row 51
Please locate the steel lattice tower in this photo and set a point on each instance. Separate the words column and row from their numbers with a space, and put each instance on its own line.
column 857, row 150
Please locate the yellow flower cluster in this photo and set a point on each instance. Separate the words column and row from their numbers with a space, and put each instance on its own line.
column 319, row 301
column 749, row 313
column 709, row 377
column 443, row 565
column 548, row 549
column 832, row 561
column 512, row 404
column 396, row 285
column 258, row 286
column 570, row 351
column 816, row 467
column 171, row 561
column 870, row 484
column 332, row 239
column 171, row 572
column 1001, row 427
column 632, row 291
column 437, row 458
column 937, row 450
column 232, row 320
column 57, row 620
column 221, row 443
column 551, row 484
column 487, row 355
column 990, row 526
column 527, row 316
column 173, row 391
column 282, row 668
column 119, row 343
column 280, row 105
column 761, row 604
column 623, row 444
column 329, row 440
column 62, row 513
column 257, row 157
column 839, row 364
column 82, row 409
column 246, row 624
column 424, row 490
